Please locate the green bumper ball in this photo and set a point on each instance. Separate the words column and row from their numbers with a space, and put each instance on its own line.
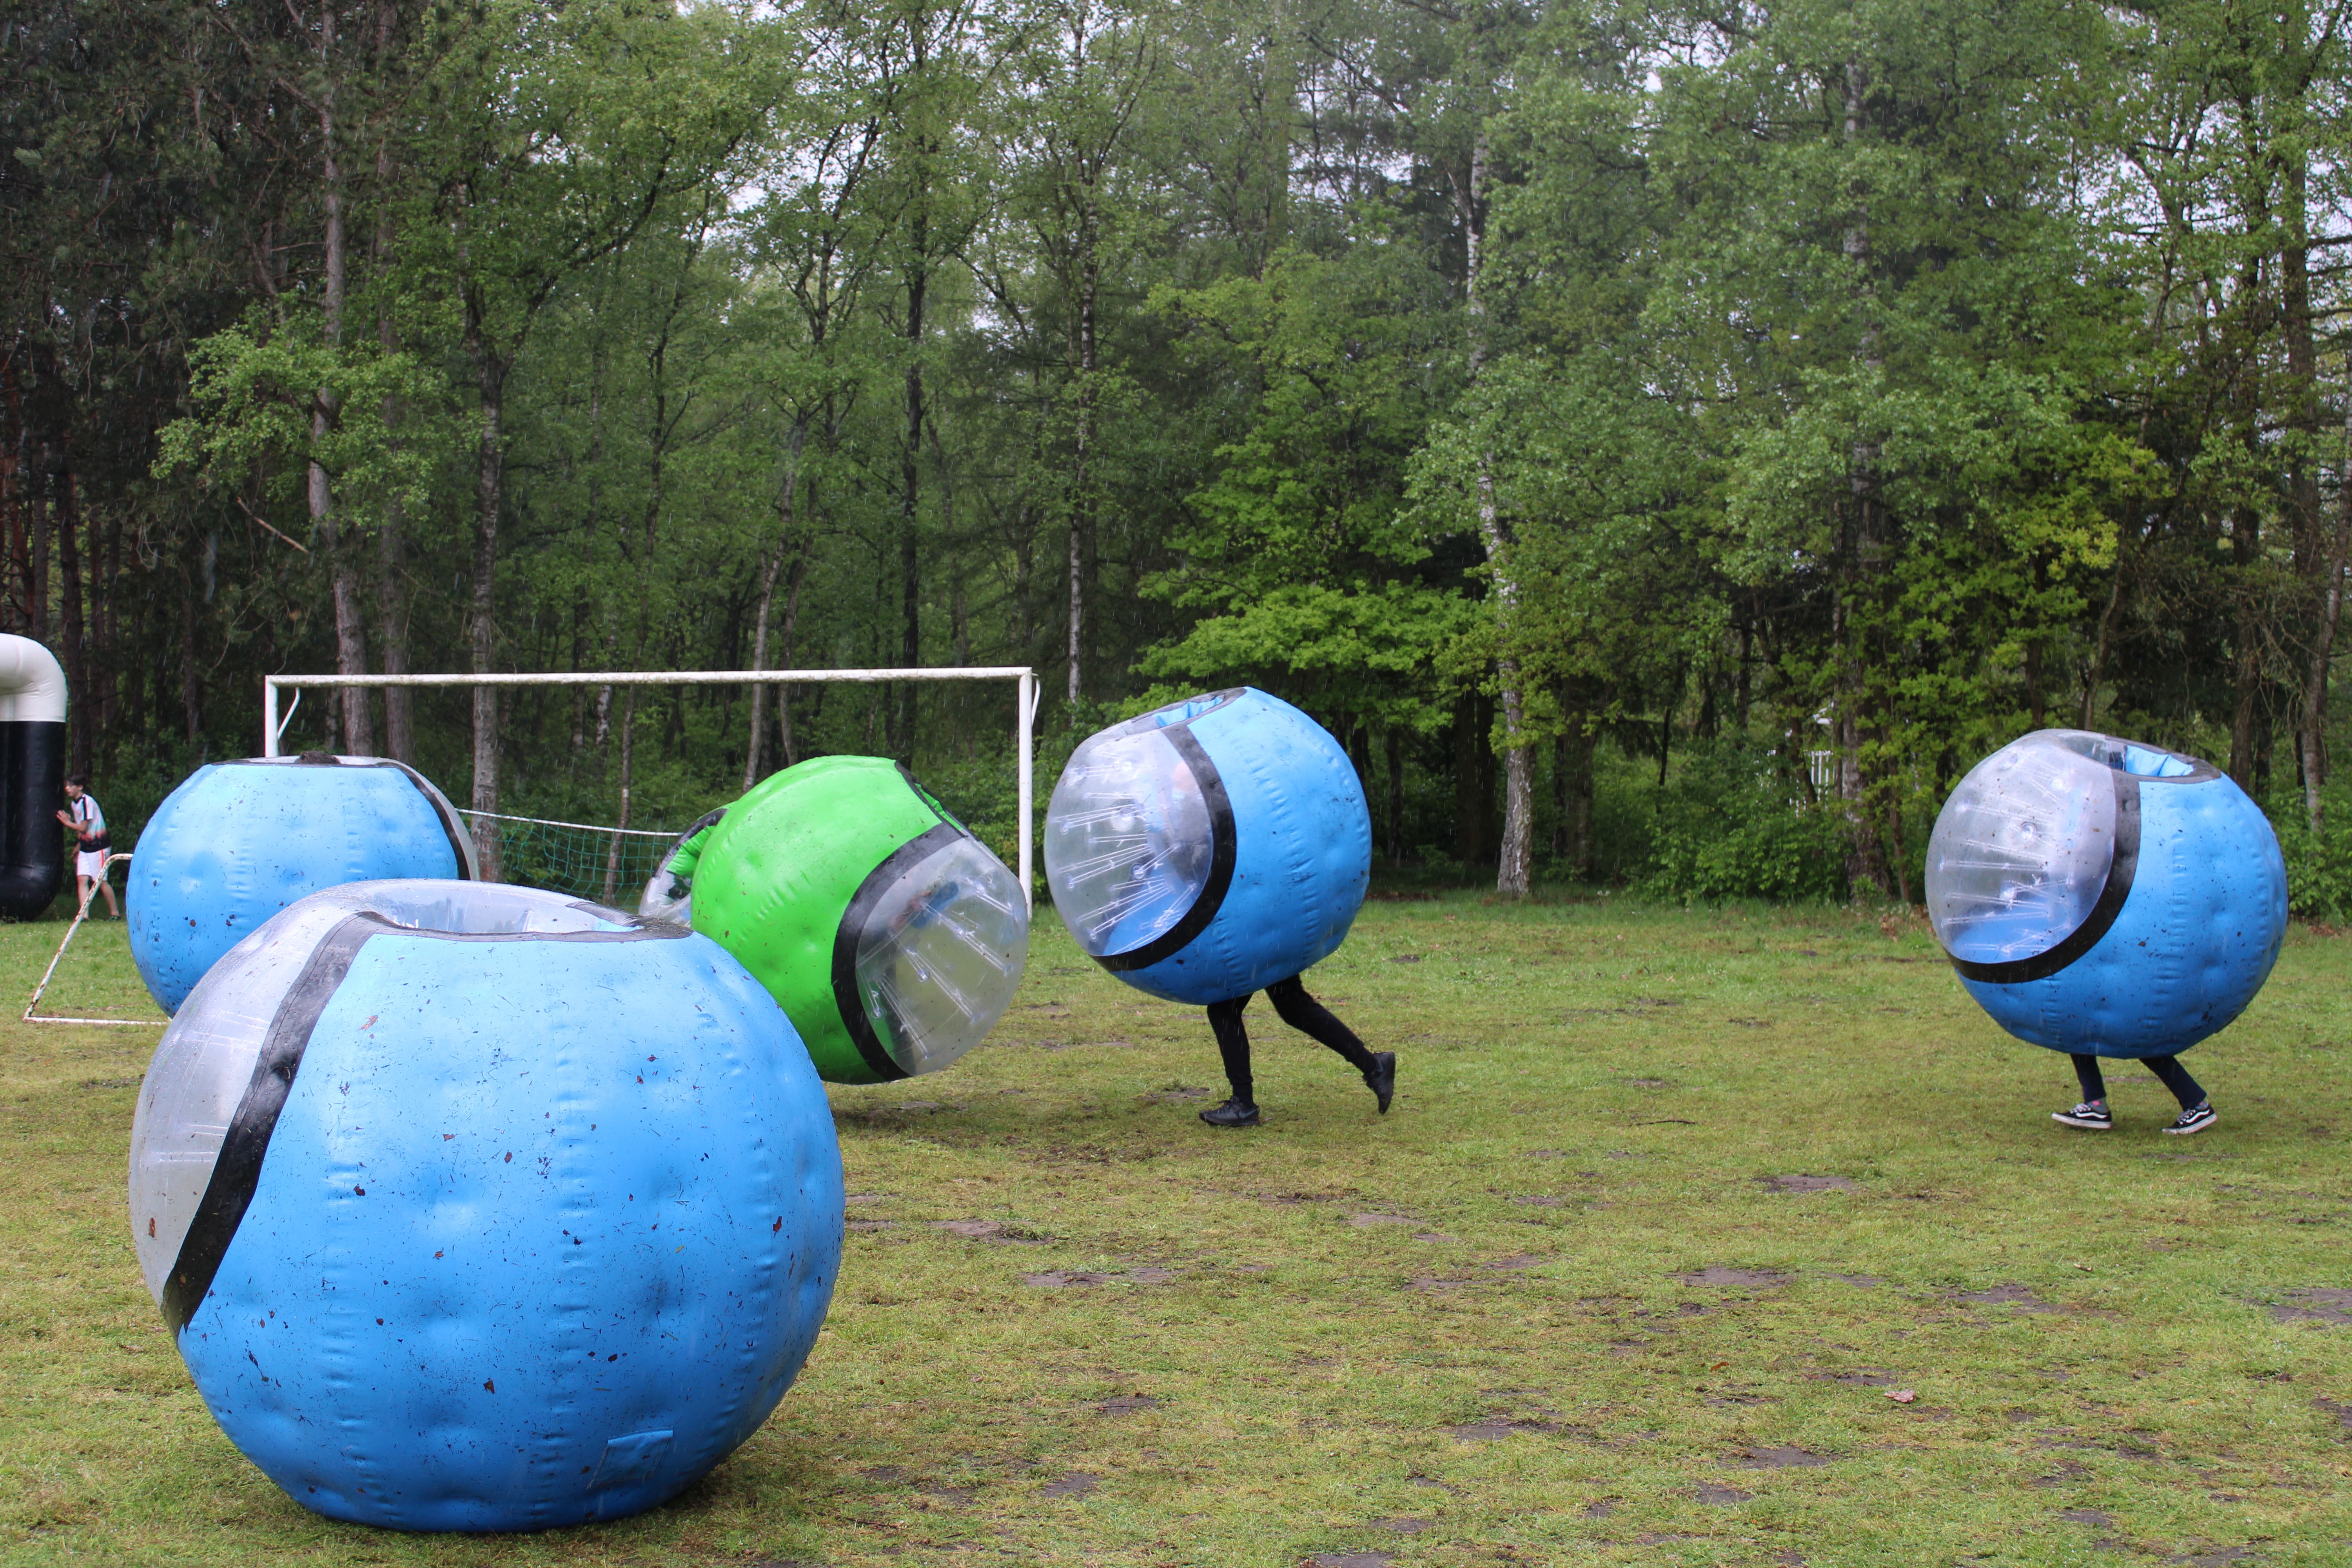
column 891, row 936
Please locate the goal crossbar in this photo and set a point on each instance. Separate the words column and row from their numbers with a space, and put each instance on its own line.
column 1023, row 724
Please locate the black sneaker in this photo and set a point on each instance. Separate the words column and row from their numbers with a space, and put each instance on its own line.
column 2196, row 1119
column 1381, row 1079
column 2091, row 1115
column 1231, row 1113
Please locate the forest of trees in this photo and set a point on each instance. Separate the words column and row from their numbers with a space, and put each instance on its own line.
column 1663, row 440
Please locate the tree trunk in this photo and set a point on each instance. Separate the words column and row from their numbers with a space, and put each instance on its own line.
column 1856, row 712
column 1393, row 744
column 628, row 748
column 2323, row 644
column 1082, row 504
column 2244, row 549
column 1514, row 864
column 350, row 637
column 770, row 565
column 489, row 459
column 392, row 598
column 78, row 740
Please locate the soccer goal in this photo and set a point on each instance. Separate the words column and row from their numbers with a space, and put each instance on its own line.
column 600, row 861
column 33, row 1015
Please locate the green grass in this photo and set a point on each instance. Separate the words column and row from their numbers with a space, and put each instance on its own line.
column 1225, row 1335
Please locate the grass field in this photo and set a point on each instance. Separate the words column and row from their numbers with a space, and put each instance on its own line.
column 1673, row 1210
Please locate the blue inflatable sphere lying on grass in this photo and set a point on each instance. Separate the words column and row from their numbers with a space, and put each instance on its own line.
column 2106, row 898
column 1209, row 848
column 237, row 842
column 475, row 1208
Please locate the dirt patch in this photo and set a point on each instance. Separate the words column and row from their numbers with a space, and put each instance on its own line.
column 2085, row 1516
column 1744, row 1278
column 1855, row 1379
column 1351, row 1560
column 1517, row 1262
column 1779, row 1459
column 1543, row 1203
column 1807, row 1184
column 1496, row 1430
column 1367, row 1221
column 2343, row 1413
column 2016, row 1296
column 1404, row 1526
column 1750, row 1023
column 868, row 1223
column 1078, row 1483
column 1708, row 1491
column 1063, row 1278
column 1600, row 1510
column 994, row 1231
column 1405, row 958
column 1127, row 1405
column 1859, row 1281
column 1175, row 1095
column 2316, row 1305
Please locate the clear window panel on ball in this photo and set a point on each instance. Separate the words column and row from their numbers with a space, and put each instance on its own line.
column 1128, row 840
column 2021, row 851
column 941, row 955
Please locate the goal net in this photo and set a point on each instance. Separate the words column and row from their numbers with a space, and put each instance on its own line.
column 608, row 863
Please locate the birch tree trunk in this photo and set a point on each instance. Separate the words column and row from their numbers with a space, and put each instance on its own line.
column 1514, row 864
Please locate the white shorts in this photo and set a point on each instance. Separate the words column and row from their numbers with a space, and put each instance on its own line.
column 90, row 863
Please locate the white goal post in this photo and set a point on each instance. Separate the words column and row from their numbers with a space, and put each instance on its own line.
column 1024, row 723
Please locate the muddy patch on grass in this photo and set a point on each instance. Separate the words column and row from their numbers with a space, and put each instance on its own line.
column 1496, row 1430
column 2343, row 1413
column 2016, row 1296
column 1770, row 1459
column 2315, row 1305
column 1807, row 1184
column 1517, row 1263
column 1722, row 1275
column 1406, row 1526
column 1600, row 1510
column 1709, row 1492
column 1128, row 1403
column 1861, row 1379
column 1175, row 1094
column 1351, row 1560
column 1076, row 1484
column 2085, row 1516
column 1064, row 1278
column 1859, row 1281
column 996, row 1232
column 1535, row 1200
column 1368, row 1221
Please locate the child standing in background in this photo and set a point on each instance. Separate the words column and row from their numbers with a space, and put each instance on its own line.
column 91, row 847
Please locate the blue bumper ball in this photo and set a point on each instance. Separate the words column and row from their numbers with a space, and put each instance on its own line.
column 2106, row 898
column 475, row 1208
column 1209, row 848
column 237, row 842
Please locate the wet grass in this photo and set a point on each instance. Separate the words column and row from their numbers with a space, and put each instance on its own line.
column 1672, row 1212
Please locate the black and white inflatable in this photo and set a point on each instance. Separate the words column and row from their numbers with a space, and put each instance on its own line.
column 32, row 776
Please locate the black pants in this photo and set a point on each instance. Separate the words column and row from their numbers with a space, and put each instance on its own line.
column 1296, row 1009
column 2168, row 1070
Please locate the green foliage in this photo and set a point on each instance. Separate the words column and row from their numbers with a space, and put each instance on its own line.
column 1731, row 825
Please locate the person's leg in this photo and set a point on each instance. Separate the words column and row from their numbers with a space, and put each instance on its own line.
column 81, row 893
column 113, row 910
column 1310, row 1018
column 1232, row 1044
column 2196, row 1111
column 2091, row 1115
